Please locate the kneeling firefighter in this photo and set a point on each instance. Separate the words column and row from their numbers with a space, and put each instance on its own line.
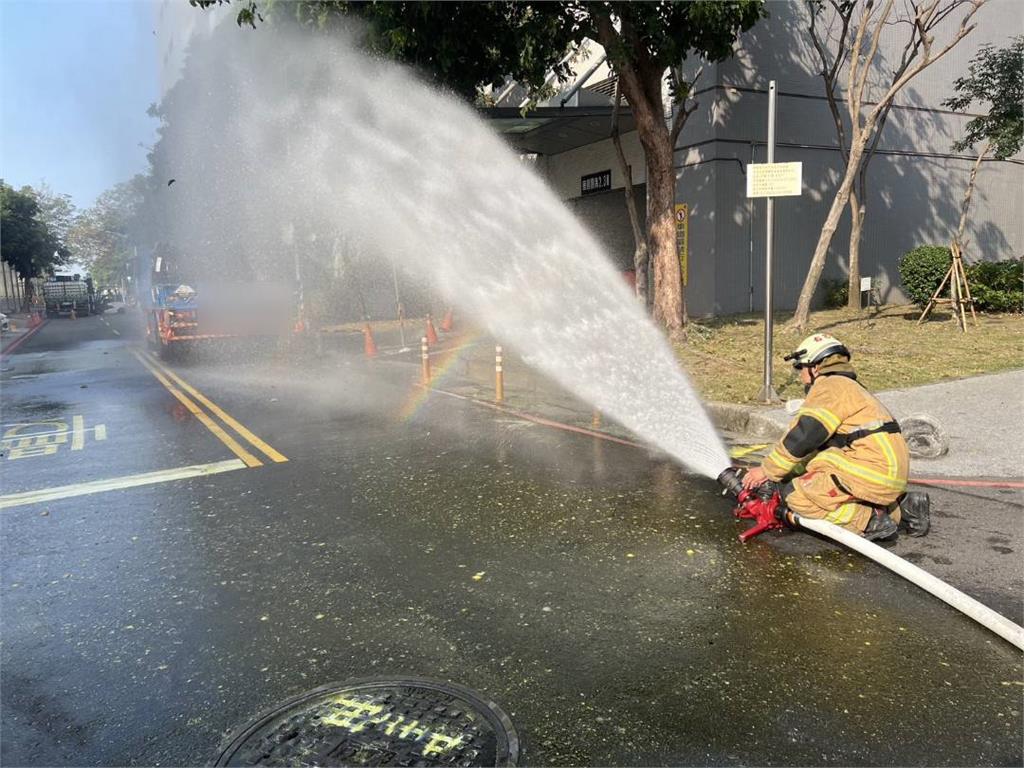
column 843, row 458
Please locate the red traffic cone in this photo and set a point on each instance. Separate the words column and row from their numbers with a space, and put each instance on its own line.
column 431, row 333
column 447, row 323
column 369, row 345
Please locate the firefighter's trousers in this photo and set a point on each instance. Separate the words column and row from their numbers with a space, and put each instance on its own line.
column 821, row 495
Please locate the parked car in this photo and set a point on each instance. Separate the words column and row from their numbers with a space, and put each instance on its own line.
column 5, row 324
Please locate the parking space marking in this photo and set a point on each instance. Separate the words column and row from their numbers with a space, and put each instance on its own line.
column 195, row 410
column 44, row 438
column 116, row 483
column 254, row 441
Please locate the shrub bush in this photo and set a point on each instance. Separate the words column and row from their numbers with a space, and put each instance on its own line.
column 921, row 271
column 997, row 286
column 836, row 293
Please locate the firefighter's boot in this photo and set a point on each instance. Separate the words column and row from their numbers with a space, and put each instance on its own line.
column 880, row 526
column 915, row 513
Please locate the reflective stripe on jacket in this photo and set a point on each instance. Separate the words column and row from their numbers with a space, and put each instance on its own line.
column 873, row 468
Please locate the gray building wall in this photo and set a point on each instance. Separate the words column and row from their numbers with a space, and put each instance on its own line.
column 915, row 182
column 604, row 214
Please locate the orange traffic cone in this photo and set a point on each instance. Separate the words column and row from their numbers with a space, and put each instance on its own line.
column 431, row 333
column 446, row 324
column 369, row 345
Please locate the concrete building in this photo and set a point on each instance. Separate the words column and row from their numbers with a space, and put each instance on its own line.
column 915, row 182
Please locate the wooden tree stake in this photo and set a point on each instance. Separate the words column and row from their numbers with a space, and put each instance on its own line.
column 959, row 291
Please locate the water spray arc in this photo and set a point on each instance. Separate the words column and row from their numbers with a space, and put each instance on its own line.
column 414, row 176
column 765, row 509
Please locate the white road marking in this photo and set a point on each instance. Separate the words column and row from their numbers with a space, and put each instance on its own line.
column 117, row 483
column 77, row 433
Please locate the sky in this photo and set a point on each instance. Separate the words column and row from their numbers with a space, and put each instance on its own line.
column 76, row 78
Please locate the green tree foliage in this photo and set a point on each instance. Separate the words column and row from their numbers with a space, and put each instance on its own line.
column 103, row 236
column 464, row 46
column 994, row 79
column 27, row 244
column 57, row 213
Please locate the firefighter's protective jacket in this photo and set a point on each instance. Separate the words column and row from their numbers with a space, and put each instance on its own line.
column 873, row 468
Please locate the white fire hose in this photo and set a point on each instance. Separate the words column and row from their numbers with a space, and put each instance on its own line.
column 966, row 604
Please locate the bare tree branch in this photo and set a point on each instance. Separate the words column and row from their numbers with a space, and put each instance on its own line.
column 684, row 113
column 829, row 73
column 921, row 19
column 927, row 59
column 876, row 38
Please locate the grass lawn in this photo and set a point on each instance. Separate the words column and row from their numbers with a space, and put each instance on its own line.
column 724, row 355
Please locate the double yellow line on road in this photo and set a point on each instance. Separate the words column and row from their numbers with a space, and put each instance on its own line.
column 178, row 387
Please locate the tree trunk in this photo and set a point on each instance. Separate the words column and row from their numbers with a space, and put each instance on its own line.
column 641, row 85
column 640, row 260
column 641, row 263
column 640, row 255
column 967, row 197
column 7, row 295
column 857, row 206
column 669, row 302
column 803, row 307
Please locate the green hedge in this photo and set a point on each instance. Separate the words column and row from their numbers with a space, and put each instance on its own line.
column 997, row 286
column 921, row 271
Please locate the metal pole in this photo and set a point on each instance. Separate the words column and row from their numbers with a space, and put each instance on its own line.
column 768, row 393
column 398, row 303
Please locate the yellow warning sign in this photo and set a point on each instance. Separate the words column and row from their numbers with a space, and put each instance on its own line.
column 683, row 238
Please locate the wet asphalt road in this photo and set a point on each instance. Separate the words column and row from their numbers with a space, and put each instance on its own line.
column 593, row 590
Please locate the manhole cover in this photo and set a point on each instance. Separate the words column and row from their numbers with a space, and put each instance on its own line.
column 410, row 721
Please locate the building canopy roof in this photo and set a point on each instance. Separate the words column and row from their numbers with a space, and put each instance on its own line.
column 550, row 130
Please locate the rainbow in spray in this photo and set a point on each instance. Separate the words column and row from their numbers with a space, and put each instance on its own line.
column 442, row 366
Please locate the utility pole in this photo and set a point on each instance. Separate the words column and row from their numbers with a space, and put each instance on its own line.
column 770, row 180
column 768, row 393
